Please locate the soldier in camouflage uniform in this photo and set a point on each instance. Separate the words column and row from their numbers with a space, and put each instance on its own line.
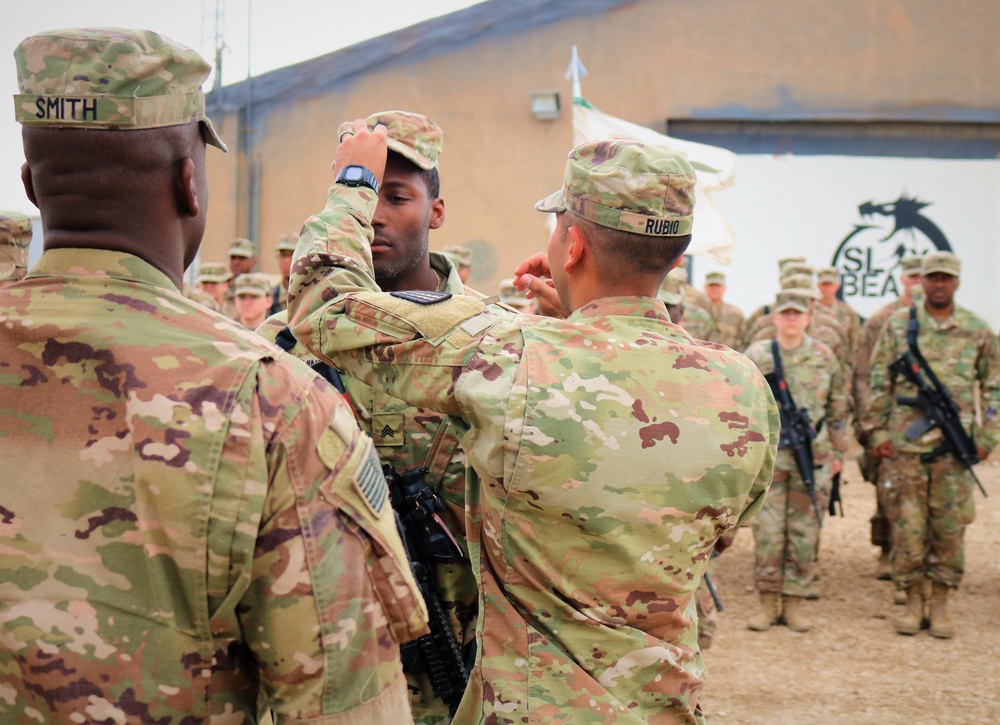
column 909, row 279
column 786, row 532
column 213, row 283
column 408, row 436
column 242, row 260
column 253, row 299
column 193, row 527
column 698, row 321
column 729, row 318
column 828, row 284
column 930, row 504
column 15, row 237
column 461, row 258
column 610, row 449
column 285, row 252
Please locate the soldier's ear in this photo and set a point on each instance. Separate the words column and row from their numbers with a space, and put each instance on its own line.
column 29, row 184
column 577, row 247
column 437, row 213
column 185, row 188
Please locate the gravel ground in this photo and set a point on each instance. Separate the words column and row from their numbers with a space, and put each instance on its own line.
column 852, row 667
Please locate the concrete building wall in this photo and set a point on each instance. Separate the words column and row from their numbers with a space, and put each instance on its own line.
column 649, row 61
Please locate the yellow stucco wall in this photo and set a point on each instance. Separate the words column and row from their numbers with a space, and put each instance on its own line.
column 648, row 61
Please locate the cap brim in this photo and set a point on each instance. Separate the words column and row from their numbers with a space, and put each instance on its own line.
column 554, row 202
column 212, row 137
column 409, row 154
column 934, row 270
column 804, row 309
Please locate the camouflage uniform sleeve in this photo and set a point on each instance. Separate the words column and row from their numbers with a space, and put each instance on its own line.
column 329, row 592
column 988, row 373
column 882, row 387
column 838, row 406
column 337, row 311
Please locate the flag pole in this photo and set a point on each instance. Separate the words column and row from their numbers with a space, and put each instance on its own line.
column 576, row 71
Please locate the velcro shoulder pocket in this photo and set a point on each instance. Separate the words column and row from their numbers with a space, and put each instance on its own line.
column 360, row 492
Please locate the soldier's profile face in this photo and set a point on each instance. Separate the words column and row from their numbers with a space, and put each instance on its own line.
column 402, row 222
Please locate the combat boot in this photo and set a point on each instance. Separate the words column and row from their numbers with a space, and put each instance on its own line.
column 909, row 621
column 941, row 626
column 793, row 615
column 770, row 610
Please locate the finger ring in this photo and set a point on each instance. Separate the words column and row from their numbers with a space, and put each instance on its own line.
column 345, row 133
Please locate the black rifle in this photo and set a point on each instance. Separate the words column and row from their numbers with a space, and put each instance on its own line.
column 940, row 409
column 796, row 430
column 428, row 542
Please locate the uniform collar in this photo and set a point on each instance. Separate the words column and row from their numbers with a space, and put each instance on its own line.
column 75, row 262
column 650, row 307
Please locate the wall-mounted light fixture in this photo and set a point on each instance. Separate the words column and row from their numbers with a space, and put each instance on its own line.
column 545, row 105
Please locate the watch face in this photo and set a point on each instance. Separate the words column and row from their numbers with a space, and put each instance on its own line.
column 353, row 173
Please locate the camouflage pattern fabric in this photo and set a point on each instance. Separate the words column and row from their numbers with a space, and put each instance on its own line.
column 962, row 351
column 786, row 533
column 408, row 437
column 15, row 237
column 587, row 577
column 698, row 321
column 189, row 517
column 202, row 298
column 708, row 614
column 729, row 321
column 110, row 78
column 847, row 318
column 411, row 135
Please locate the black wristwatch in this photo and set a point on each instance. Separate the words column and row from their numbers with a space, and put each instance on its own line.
column 357, row 175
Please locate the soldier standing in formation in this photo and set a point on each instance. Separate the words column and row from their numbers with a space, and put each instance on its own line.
column 729, row 318
column 213, row 283
column 786, row 531
column 558, row 409
column 191, row 521
column 909, row 279
column 929, row 502
column 285, row 253
column 252, row 292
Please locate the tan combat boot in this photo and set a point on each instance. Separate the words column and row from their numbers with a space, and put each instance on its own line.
column 770, row 610
column 941, row 626
column 793, row 615
column 909, row 621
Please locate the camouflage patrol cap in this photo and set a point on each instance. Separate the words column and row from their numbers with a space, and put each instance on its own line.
column 110, row 78
column 511, row 295
column 827, row 274
column 411, row 135
column 627, row 185
column 242, row 248
column 15, row 236
column 287, row 242
column 910, row 266
column 256, row 284
column 460, row 256
column 212, row 272
column 670, row 291
column 944, row 262
column 789, row 260
column 802, row 283
column 715, row 278
column 793, row 268
column 791, row 300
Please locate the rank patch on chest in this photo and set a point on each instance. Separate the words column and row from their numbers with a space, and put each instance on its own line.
column 422, row 297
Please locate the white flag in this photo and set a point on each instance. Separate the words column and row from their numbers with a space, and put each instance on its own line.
column 716, row 168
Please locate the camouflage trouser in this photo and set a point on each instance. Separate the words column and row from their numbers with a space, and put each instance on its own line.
column 881, row 535
column 929, row 506
column 786, row 533
column 708, row 614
